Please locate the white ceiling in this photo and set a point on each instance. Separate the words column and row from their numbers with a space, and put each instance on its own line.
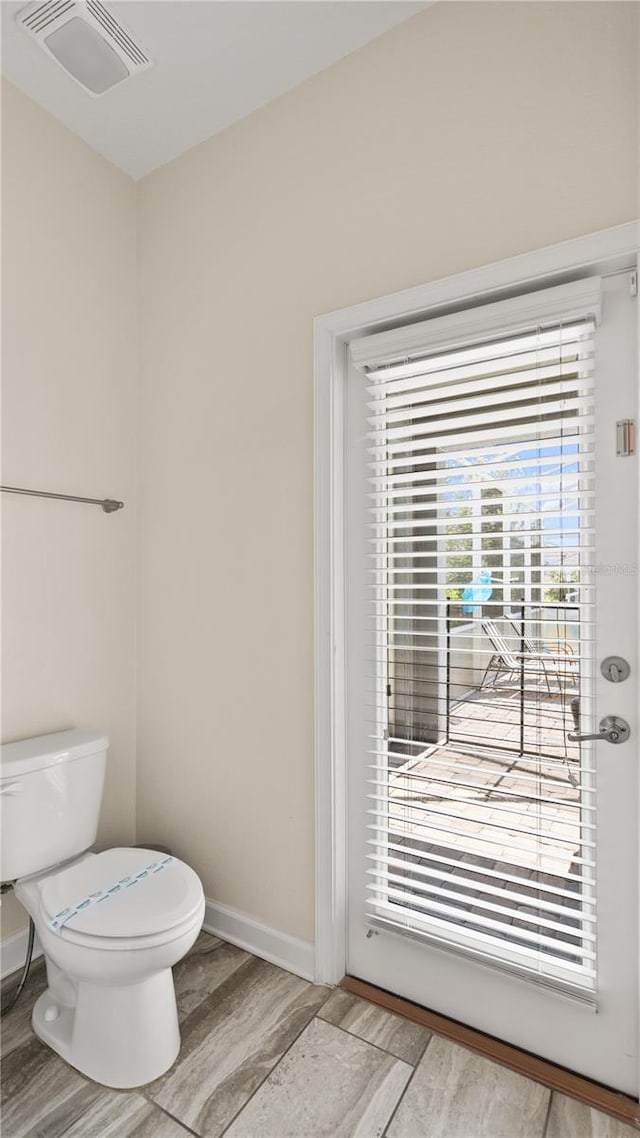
column 215, row 62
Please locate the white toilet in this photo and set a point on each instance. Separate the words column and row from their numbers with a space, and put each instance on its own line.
column 111, row 925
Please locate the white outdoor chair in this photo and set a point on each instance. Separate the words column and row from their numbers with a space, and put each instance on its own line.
column 506, row 661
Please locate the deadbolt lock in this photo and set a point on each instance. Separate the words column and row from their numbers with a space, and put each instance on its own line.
column 615, row 669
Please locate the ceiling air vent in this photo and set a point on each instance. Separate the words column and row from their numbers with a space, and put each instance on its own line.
column 87, row 40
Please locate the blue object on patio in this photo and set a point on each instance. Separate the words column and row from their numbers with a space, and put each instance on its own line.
column 477, row 592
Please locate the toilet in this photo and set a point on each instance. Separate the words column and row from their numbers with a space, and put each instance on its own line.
column 111, row 924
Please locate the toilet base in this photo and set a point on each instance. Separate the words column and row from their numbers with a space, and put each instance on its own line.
column 122, row 1037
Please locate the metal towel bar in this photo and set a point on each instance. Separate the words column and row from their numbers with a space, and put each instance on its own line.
column 109, row 505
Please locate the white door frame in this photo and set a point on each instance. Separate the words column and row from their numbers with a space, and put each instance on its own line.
column 606, row 251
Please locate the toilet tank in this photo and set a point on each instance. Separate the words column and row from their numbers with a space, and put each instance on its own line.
column 50, row 794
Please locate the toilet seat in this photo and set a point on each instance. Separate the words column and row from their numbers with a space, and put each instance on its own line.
column 144, row 911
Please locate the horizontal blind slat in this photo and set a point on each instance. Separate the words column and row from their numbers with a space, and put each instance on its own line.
column 455, row 382
column 490, row 903
column 566, row 888
column 422, row 364
column 550, row 760
column 478, row 786
column 546, row 894
column 489, row 823
column 502, row 814
column 516, row 849
column 452, row 911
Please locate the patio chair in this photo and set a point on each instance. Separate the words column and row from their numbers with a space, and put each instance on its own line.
column 505, row 660
column 564, row 656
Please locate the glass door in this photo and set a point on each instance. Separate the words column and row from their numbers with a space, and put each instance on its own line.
column 492, row 554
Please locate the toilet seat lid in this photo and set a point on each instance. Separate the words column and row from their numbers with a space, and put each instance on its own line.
column 142, row 906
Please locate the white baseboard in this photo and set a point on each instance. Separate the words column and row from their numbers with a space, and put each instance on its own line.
column 288, row 952
column 13, row 952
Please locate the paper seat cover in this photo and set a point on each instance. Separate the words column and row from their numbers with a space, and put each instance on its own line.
column 151, row 904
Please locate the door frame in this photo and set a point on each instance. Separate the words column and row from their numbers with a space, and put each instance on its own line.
column 606, row 251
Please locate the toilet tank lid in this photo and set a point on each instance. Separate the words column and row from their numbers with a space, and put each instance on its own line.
column 35, row 754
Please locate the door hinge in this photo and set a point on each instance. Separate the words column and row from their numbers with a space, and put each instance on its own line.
column 633, row 283
column 625, row 438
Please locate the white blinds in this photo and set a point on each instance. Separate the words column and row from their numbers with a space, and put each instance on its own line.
column 481, row 812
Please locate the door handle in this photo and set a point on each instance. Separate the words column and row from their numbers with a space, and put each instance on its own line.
column 613, row 729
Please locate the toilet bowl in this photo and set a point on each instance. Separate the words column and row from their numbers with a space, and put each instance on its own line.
column 110, row 1007
column 111, row 924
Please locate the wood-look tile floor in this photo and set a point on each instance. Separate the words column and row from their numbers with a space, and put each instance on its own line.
column 267, row 1055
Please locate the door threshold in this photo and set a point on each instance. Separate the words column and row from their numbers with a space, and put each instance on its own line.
column 593, row 1094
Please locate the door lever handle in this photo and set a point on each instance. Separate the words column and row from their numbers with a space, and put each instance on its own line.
column 613, row 729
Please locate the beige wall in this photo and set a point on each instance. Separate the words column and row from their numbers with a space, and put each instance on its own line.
column 69, row 404
column 472, row 133
column 469, row 134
